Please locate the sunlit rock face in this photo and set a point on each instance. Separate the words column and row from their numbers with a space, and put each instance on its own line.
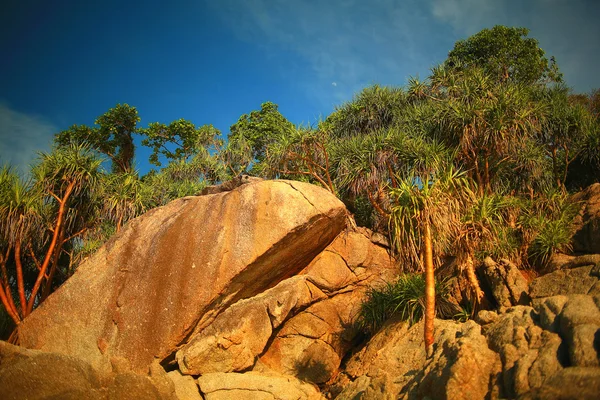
column 175, row 268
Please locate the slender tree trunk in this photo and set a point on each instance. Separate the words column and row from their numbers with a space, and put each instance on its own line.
column 555, row 165
column 487, row 174
column 470, row 268
column 6, row 293
column 57, row 251
column 19, row 267
column 376, row 205
column 478, row 177
column 57, row 229
column 429, row 289
column 567, row 162
column 8, row 307
column 119, row 223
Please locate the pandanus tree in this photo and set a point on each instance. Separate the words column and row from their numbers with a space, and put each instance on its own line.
column 39, row 219
column 300, row 153
column 567, row 128
column 425, row 217
column 487, row 121
column 20, row 209
column 122, row 196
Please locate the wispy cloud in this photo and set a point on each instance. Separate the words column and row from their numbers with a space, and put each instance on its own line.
column 22, row 136
column 350, row 42
column 355, row 43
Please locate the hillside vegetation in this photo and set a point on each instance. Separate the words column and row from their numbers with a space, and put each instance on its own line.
column 477, row 160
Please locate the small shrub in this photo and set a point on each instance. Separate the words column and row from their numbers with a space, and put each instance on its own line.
column 404, row 298
column 549, row 226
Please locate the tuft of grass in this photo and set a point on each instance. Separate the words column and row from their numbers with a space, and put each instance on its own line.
column 553, row 236
column 549, row 225
column 404, row 298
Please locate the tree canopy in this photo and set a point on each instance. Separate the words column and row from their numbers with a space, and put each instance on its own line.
column 505, row 53
column 112, row 136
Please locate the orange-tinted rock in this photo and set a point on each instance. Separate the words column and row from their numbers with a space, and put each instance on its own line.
column 312, row 343
column 175, row 268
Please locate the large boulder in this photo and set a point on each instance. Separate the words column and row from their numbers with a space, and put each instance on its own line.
column 240, row 334
column 587, row 223
column 171, row 271
column 303, row 326
column 576, row 383
column 576, row 318
column 312, row 343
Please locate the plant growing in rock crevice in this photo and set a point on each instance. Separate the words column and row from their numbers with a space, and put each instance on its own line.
column 405, row 299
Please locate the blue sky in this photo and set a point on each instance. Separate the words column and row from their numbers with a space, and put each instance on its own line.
column 211, row 61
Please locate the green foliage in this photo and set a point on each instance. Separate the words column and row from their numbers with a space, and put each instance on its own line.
column 435, row 200
column 122, row 196
column 178, row 179
column 505, row 53
column 405, row 299
column 547, row 224
column 113, row 136
column 252, row 133
column 188, row 140
column 374, row 108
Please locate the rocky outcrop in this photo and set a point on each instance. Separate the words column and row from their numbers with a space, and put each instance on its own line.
column 303, row 326
column 576, row 318
column 582, row 280
column 565, row 261
column 529, row 354
column 255, row 386
column 587, row 224
column 312, row 344
column 394, row 364
column 508, row 286
column 252, row 292
column 239, row 335
column 32, row 374
column 174, row 269
column 575, row 383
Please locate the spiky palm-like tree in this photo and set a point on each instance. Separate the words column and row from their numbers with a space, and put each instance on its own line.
column 20, row 208
column 67, row 179
column 425, row 215
column 39, row 217
column 123, row 198
column 488, row 122
column 301, row 153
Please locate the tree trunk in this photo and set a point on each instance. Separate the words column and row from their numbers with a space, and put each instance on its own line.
column 57, row 229
column 472, row 278
column 57, row 250
column 429, row 289
column 19, row 268
column 12, row 313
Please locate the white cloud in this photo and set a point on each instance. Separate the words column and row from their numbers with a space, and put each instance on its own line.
column 22, row 136
column 353, row 43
